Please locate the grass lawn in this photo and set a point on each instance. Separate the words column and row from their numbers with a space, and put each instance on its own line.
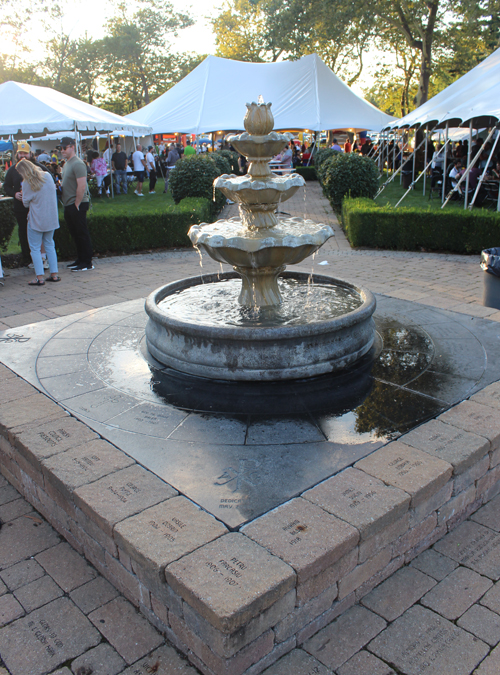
column 129, row 203
column 394, row 191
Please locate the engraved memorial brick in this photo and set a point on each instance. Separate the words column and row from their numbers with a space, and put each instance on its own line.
column 476, row 418
column 395, row 595
column 46, row 638
column 304, row 536
column 122, row 494
column 84, row 464
column 489, row 396
column 244, row 579
column 14, row 389
column 409, row 469
column 166, row 532
column 361, row 500
column 459, row 448
column 421, row 641
column 474, row 546
column 28, row 410
column 40, row 442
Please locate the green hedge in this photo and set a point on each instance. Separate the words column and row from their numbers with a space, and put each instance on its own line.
column 125, row 232
column 7, row 222
column 308, row 172
column 412, row 229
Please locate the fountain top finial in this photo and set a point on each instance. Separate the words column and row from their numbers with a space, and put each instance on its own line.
column 259, row 119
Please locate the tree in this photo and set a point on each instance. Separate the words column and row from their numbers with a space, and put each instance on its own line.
column 136, row 50
column 268, row 30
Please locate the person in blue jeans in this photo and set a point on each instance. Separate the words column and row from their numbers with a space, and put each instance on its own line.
column 119, row 166
column 39, row 195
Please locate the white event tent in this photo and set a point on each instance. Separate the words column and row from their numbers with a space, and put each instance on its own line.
column 28, row 109
column 305, row 94
column 474, row 96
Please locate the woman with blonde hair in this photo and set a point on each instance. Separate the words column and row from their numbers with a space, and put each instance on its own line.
column 39, row 195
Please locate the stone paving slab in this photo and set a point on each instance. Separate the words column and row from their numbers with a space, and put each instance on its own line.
column 455, row 594
column 46, row 638
column 422, row 641
column 128, row 631
column 474, row 546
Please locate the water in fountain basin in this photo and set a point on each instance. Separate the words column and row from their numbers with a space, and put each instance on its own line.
column 216, row 304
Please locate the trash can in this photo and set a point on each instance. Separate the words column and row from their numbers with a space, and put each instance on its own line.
column 490, row 263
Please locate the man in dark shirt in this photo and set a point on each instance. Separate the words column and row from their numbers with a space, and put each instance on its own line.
column 119, row 166
column 172, row 159
column 12, row 187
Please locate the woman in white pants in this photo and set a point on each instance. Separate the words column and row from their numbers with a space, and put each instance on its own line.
column 39, row 194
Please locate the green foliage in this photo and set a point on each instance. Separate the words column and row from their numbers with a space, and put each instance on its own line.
column 124, row 230
column 414, row 229
column 221, row 162
column 232, row 158
column 307, row 172
column 7, row 223
column 194, row 177
column 348, row 174
column 320, row 158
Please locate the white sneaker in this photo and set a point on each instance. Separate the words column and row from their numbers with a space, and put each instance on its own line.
column 31, row 266
column 139, row 194
column 46, row 265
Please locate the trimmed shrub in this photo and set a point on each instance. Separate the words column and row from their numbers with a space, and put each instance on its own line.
column 194, row 177
column 221, row 162
column 323, row 154
column 232, row 158
column 347, row 174
column 307, row 172
column 119, row 231
column 411, row 229
column 7, row 222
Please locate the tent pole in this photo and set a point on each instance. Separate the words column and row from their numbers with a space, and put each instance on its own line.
column 469, row 154
column 413, row 158
column 471, row 165
column 418, row 177
column 394, row 146
column 480, row 182
column 445, row 162
column 425, row 158
column 110, row 167
column 400, row 168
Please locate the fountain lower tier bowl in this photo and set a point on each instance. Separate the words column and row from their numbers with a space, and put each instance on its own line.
column 261, row 344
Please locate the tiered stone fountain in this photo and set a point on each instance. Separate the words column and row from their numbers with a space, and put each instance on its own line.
column 282, row 325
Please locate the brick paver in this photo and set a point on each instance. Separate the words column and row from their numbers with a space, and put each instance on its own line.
column 94, row 629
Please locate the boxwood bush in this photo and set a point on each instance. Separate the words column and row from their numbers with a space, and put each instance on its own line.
column 120, row 231
column 307, row 172
column 232, row 158
column 194, row 177
column 413, row 229
column 7, row 222
column 348, row 174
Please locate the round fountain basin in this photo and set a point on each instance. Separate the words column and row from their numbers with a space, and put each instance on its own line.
column 263, row 349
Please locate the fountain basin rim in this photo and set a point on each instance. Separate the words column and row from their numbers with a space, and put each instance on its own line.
column 200, row 236
column 278, row 183
column 364, row 312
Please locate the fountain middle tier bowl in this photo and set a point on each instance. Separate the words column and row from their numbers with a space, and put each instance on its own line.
column 271, row 190
column 289, row 242
column 213, row 338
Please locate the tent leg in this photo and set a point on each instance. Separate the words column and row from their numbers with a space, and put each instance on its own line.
column 445, row 163
column 469, row 155
column 111, row 168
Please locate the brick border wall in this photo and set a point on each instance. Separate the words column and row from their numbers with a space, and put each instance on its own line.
column 421, row 486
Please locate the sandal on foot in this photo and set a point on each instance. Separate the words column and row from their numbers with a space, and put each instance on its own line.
column 52, row 279
column 37, row 282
